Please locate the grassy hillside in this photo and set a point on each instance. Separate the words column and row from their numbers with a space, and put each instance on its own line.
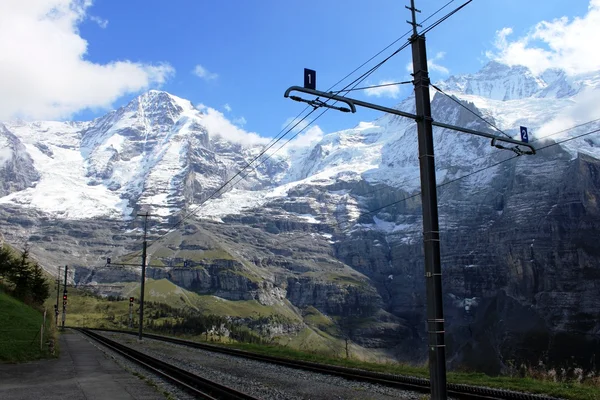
column 20, row 331
column 319, row 335
column 87, row 309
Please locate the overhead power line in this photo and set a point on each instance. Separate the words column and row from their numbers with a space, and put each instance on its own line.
column 445, row 17
column 356, row 82
column 569, row 139
column 361, row 78
column 376, row 210
column 469, row 110
column 373, row 87
column 565, row 130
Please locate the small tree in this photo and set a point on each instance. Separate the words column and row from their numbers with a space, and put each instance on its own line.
column 21, row 275
column 40, row 290
column 6, row 261
column 347, row 328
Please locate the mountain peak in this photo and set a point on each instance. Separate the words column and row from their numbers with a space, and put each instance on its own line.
column 497, row 81
column 496, row 68
column 158, row 99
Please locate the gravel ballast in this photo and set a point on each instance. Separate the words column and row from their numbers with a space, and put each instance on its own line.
column 260, row 379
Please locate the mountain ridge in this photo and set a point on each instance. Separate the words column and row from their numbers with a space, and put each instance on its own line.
column 335, row 225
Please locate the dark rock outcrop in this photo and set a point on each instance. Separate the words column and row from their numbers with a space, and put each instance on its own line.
column 17, row 171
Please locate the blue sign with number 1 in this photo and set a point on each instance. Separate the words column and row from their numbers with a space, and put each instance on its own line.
column 524, row 135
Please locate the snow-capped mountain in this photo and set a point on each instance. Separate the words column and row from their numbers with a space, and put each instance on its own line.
column 498, row 81
column 156, row 152
column 518, row 234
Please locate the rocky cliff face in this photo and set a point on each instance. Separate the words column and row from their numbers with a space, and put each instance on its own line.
column 519, row 269
column 17, row 171
column 336, row 225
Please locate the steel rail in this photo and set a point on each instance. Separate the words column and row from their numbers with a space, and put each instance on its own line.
column 191, row 383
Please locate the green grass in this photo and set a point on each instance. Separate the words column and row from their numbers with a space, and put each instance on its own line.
column 246, row 274
column 316, row 319
column 171, row 248
column 567, row 390
column 243, row 308
column 87, row 309
column 199, row 255
column 20, row 331
column 163, row 291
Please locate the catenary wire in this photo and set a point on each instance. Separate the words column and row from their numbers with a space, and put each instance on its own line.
column 491, row 166
column 439, row 21
column 356, row 82
column 373, row 86
column 360, row 79
column 478, row 158
column 276, row 138
column 455, row 180
column 469, row 110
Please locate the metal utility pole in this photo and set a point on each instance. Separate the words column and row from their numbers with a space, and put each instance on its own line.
column 431, row 230
column 64, row 309
column 141, row 327
column 57, row 295
column 431, row 234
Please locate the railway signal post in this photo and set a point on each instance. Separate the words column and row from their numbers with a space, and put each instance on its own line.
column 57, row 296
column 130, row 312
column 64, row 308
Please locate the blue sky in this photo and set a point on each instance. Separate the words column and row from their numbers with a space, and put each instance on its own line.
column 251, row 51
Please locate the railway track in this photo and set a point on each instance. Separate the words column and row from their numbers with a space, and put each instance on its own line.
column 195, row 385
column 457, row 391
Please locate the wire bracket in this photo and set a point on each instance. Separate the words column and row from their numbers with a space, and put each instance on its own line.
column 518, row 151
column 317, row 103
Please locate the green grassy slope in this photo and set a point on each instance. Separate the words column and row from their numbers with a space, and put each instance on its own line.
column 20, row 331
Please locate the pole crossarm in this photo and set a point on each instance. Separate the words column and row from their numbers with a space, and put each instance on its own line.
column 352, row 103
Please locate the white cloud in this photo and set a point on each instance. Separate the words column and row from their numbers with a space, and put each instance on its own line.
column 241, row 121
column 432, row 64
column 216, row 122
column 227, row 107
column 311, row 136
column 307, row 136
column 43, row 73
column 583, row 109
column 384, row 91
column 102, row 23
column 566, row 44
column 203, row 73
column 296, row 124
